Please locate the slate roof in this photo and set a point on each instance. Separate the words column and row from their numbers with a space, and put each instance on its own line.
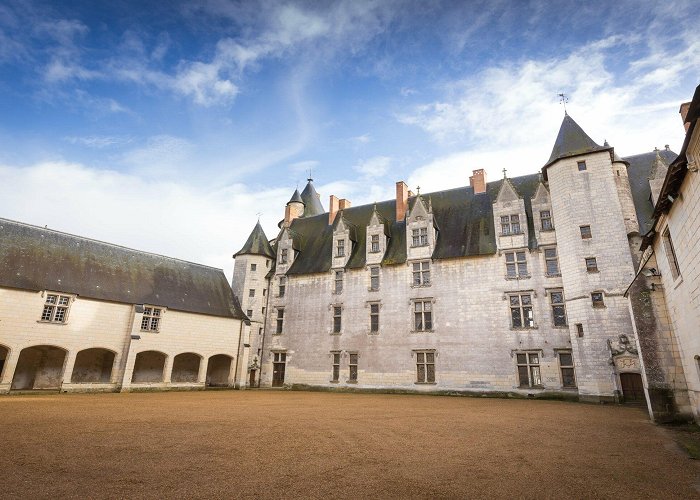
column 572, row 141
column 465, row 223
column 296, row 198
column 312, row 202
column 35, row 258
column 257, row 244
column 639, row 171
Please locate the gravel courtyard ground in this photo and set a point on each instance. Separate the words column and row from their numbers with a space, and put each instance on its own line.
column 320, row 445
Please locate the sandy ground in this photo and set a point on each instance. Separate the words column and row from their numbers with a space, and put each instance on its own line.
column 294, row 444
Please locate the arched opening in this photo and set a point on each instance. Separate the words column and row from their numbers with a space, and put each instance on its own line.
column 93, row 366
column 218, row 370
column 39, row 367
column 148, row 367
column 185, row 367
column 4, row 353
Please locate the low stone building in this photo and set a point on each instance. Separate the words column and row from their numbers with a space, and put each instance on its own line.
column 83, row 315
column 514, row 286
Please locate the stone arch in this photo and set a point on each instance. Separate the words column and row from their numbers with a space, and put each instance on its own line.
column 39, row 367
column 218, row 370
column 148, row 367
column 4, row 356
column 186, row 367
column 93, row 365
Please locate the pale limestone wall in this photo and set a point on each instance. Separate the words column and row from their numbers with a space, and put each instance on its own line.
column 624, row 193
column 683, row 294
column 590, row 198
column 110, row 326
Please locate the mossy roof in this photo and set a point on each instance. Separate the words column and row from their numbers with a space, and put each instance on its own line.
column 257, row 244
column 572, row 141
column 35, row 258
column 639, row 171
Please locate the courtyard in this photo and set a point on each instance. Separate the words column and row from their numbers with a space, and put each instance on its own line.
column 318, row 445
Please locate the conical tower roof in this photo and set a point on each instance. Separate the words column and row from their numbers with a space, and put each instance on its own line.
column 296, row 198
column 257, row 244
column 572, row 141
column 311, row 200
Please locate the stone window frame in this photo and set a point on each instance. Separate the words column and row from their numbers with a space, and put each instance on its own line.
column 555, row 305
column 548, row 259
column 522, row 307
column 670, row 252
column 336, row 319
column 282, row 286
column 581, row 166
column 284, row 256
column 579, row 329
column 249, row 313
column 423, row 272
column 338, row 281
column 374, row 313
column 335, row 366
column 279, row 321
column 374, row 278
column 598, row 299
column 374, row 238
column 511, row 225
column 586, row 232
column 425, row 359
column 340, row 247
column 528, row 362
column 424, row 326
column 419, row 237
column 546, row 221
column 352, row 376
column 253, row 267
column 151, row 318
column 516, row 264
column 569, row 367
column 56, row 307
column 591, row 265
column 251, row 292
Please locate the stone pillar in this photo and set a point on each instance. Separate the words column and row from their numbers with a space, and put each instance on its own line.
column 9, row 370
column 68, row 367
column 168, row 369
column 202, row 375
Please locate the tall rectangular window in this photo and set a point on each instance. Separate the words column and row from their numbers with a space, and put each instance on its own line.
column 528, row 369
column 556, row 299
column 280, row 320
column 425, row 367
column 546, row 220
column 671, row 254
column 283, row 256
column 585, row 232
column 374, row 278
column 421, row 273
column 336, row 366
column 352, row 364
column 337, row 318
column 282, row 286
column 375, row 243
column 374, row 318
column 340, row 249
column 510, row 224
column 551, row 262
column 420, row 237
column 591, row 265
column 338, row 281
column 566, row 365
column 423, row 315
column 150, row 321
column 55, row 308
column 516, row 264
column 521, row 311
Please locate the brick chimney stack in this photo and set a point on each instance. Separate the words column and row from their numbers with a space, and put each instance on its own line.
column 401, row 200
column 684, row 112
column 344, row 203
column 478, row 181
column 333, row 207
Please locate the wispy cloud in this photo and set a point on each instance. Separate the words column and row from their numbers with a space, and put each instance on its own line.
column 99, row 141
column 373, row 167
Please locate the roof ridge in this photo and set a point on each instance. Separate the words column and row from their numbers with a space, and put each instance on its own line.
column 94, row 240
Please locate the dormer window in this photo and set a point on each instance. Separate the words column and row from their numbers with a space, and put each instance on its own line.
column 283, row 256
column 340, row 249
column 375, row 243
column 510, row 224
column 546, row 220
column 420, row 237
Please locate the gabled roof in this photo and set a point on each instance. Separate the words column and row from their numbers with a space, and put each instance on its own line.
column 311, row 200
column 35, row 258
column 572, row 141
column 256, row 244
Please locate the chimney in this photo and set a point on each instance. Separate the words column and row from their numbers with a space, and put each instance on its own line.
column 401, row 200
column 684, row 112
column 344, row 203
column 411, row 194
column 288, row 216
column 478, row 181
column 333, row 207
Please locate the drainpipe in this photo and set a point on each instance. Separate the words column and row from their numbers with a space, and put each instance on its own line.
column 127, row 351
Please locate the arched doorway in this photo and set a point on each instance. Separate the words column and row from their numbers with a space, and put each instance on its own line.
column 39, row 367
column 218, row 370
column 148, row 367
column 186, row 367
column 93, row 366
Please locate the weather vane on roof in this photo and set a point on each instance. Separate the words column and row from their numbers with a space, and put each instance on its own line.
column 310, row 178
column 563, row 99
column 259, row 214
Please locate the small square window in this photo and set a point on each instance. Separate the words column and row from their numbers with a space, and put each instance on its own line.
column 253, row 267
column 579, row 329
column 581, row 166
column 597, row 299
column 251, row 292
column 150, row 321
column 586, row 232
column 249, row 313
column 420, row 237
column 591, row 265
column 546, row 220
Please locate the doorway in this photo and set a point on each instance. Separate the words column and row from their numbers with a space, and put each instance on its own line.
column 632, row 387
column 251, row 382
column 278, row 364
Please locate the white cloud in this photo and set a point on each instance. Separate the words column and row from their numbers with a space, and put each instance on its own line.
column 99, row 141
column 161, row 154
column 303, row 167
column 374, row 167
column 202, row 225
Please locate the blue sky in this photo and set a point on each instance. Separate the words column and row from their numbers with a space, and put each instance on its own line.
column 167, row 126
